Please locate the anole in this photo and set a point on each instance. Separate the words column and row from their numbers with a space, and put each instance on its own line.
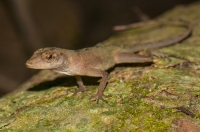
column 94, row 61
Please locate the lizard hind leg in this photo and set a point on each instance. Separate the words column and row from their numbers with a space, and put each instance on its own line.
column 159, row 54
column 131, row 58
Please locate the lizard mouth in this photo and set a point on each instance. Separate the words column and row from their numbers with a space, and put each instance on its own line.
column 31, row 65
column 34, row 65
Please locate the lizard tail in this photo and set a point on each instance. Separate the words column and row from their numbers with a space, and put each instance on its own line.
column 167, row 42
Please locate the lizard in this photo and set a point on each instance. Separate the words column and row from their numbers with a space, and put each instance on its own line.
column 95, row 61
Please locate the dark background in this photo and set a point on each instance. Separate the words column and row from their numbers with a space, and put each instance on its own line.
column 26, row 25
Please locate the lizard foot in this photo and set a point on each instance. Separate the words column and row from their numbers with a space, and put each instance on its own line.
column 83, row 89
column 98, row 97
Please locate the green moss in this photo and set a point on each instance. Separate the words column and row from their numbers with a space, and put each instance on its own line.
column 138, row 115
column 142, row 98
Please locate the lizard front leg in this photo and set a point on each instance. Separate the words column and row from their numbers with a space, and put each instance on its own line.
column 100, row 92
column 101, row 88
column 80, row 84
column 94, row 73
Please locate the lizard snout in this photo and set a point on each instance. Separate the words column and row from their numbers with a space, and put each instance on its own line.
column 29, row 64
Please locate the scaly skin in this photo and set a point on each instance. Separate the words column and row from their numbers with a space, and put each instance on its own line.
column 94, row 61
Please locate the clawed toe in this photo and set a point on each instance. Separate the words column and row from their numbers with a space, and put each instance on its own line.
column 97, row 98
column 80, row 90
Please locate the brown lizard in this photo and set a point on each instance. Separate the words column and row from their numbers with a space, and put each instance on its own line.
column 94, row 61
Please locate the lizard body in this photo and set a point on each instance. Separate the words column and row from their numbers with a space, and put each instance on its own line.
column 94, row 61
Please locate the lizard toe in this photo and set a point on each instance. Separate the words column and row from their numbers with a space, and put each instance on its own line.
column 80, row 90
column 97, row 98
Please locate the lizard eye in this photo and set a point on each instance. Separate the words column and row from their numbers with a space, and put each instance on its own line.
column 49, row 56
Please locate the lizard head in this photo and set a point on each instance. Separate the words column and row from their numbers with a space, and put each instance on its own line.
column 46, row 58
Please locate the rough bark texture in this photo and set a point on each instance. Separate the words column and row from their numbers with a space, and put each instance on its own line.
column 162, row 96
